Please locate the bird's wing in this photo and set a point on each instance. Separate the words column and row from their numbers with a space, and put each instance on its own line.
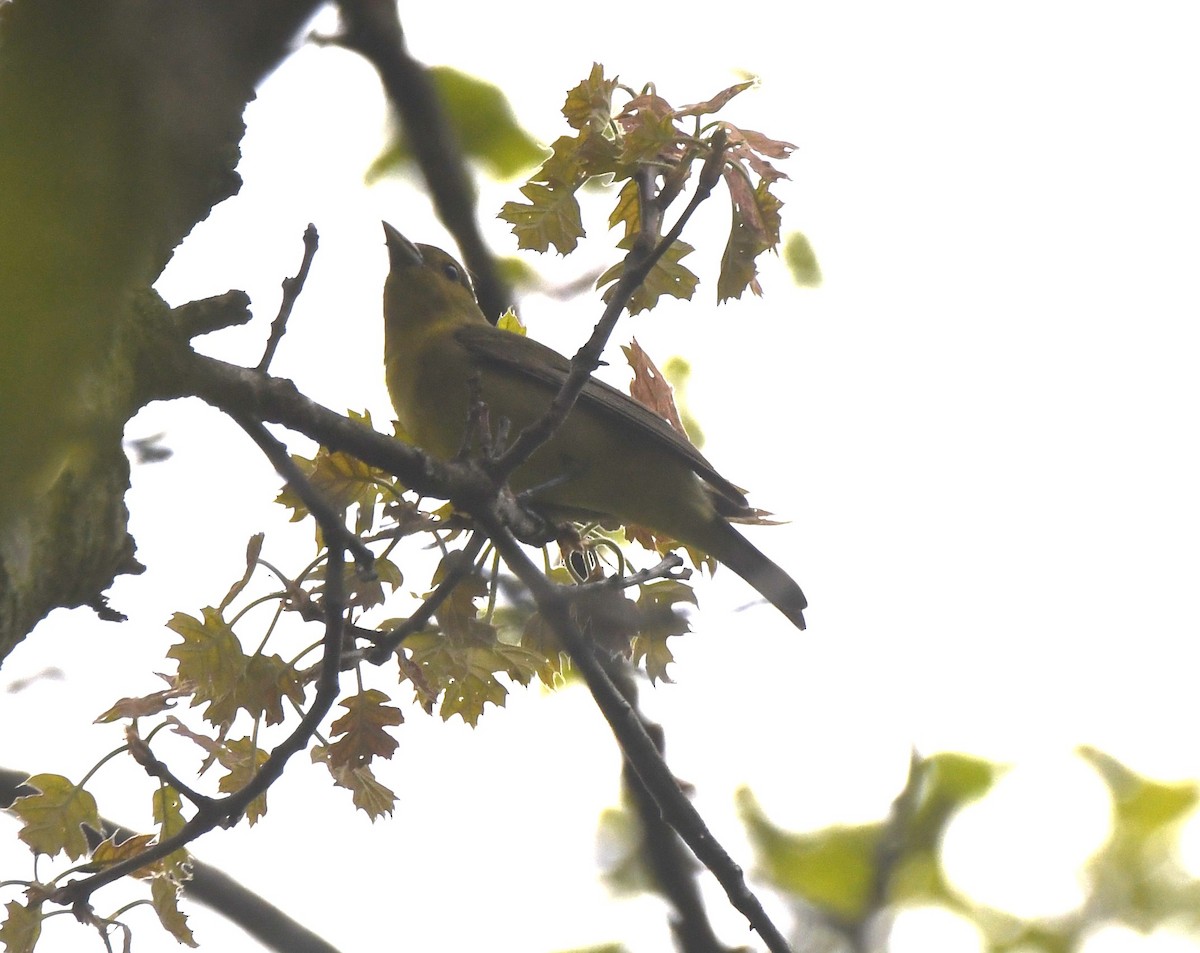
column 532, row 360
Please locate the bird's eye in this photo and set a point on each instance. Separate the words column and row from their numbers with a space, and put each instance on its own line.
column 450, row 270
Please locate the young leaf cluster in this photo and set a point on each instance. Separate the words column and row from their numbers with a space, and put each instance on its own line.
column 636, row 139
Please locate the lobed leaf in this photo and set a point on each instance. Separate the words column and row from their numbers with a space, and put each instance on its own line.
column 590, row 103
column 650, row 388
column 55, row 817
column 242, row 758
column 667, row 277
column 22, row 926
column 364, row 730
column 369, row 795
column 551, row 217
column 211, row 657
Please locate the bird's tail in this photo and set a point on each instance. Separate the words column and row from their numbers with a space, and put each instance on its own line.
column 730, row 547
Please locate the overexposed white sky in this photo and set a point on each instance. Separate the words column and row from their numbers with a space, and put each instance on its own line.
column 981, row 428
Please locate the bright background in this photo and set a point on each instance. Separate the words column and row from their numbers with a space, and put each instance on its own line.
column 982, row 428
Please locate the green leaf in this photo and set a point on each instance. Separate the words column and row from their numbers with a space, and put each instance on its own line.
column 755, row 229
column 211, row 657
column 164, row 897
column 109, row 852
column 801, row 260
column 590, row 103
column 510, row 322
column 22, row 926
column 832, row 869
column 370, row 796
column 667, row 277
column 649, row 138
column 660, row 621
column 482, row 119
column 54, row 818
column 463, row 667
column 1143, row 805
column 627, row 211
column 552, row 217
column 242, row 758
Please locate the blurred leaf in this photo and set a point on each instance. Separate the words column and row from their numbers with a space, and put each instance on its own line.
column 483, row 121
column 943, row 783
column 602, row 948
column 1143, row 805
column 801, row 260
column 832, row 868
column 517, row 273
column 678, row 371
column 620, row 853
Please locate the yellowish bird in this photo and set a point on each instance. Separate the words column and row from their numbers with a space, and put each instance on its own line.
column 612, row 459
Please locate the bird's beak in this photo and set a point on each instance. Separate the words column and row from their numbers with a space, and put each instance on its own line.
column 401, row 252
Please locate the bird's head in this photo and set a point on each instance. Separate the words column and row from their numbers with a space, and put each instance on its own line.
column 425, row 285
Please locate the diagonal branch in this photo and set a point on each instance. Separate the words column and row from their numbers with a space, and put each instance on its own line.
column 373, row 29
column 214, row 888
column 639, row 749
column 225, row 811
column 639, row 262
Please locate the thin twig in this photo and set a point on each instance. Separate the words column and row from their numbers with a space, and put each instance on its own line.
column 638, row 265
column 386, row 645
column 291, row 291
column 225, row 811
column 154, row 767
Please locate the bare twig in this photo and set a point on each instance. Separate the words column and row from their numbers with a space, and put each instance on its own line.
column 142, row 754
column 672, row 865
column 291, row 291
column 212, row 314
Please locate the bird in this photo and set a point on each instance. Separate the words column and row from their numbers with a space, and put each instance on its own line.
column 612, row 460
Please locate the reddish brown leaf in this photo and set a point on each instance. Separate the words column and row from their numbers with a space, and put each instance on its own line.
column 649, row 388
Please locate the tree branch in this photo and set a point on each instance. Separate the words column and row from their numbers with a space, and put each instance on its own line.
column 373, row 30
column 640, row 752
column 212, row 887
